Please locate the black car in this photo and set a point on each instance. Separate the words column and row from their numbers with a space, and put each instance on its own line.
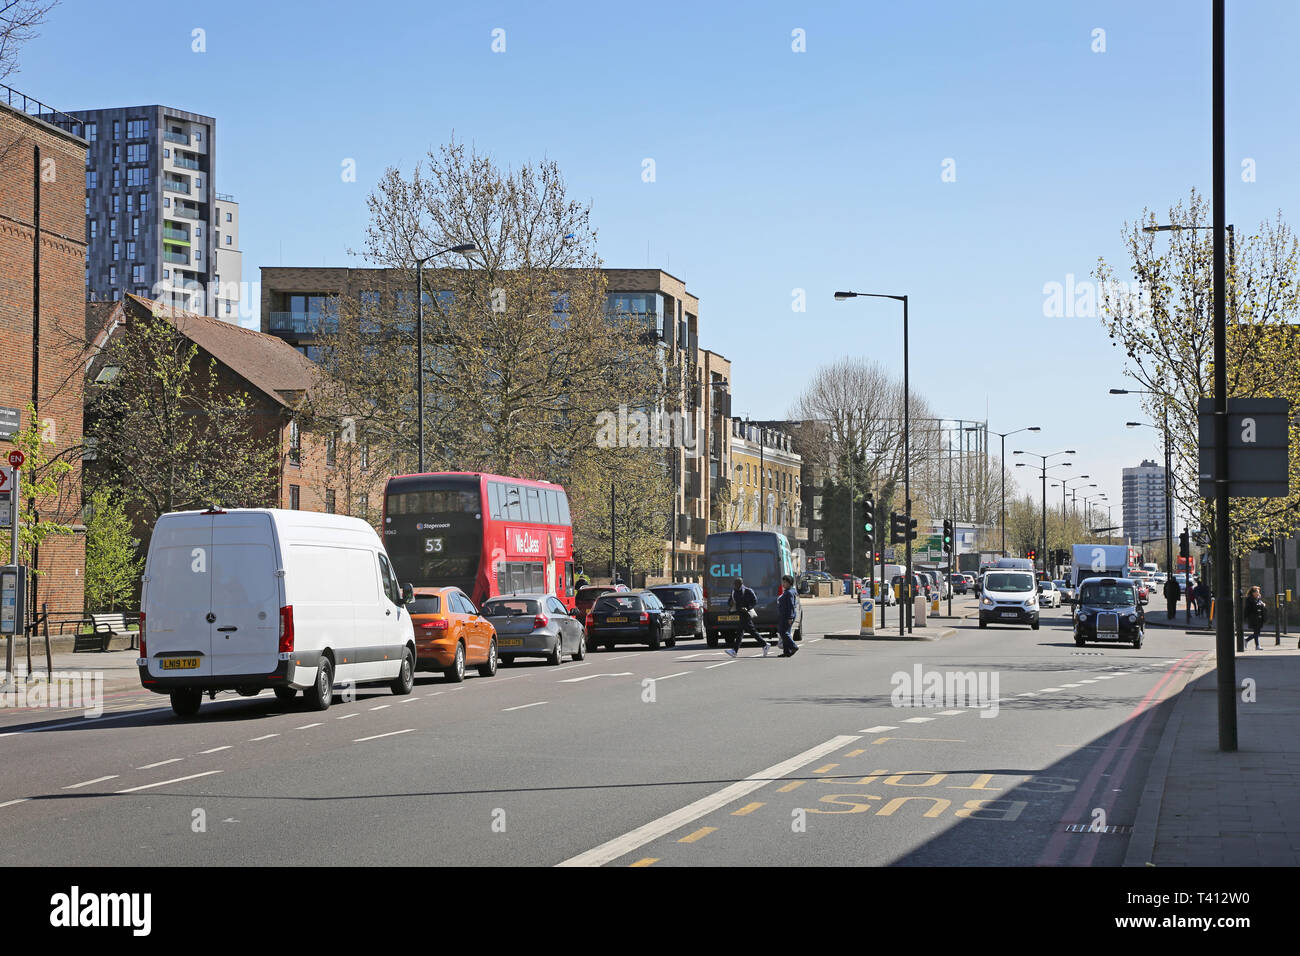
column 629, row 617
column 534, row 625
column 1108, row 610
column 686, row 601
column 958, row 582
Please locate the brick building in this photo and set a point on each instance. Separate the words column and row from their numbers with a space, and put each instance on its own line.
column 316, row 472
column 42, row 319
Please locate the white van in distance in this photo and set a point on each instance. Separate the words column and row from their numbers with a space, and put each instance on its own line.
column 253, row 598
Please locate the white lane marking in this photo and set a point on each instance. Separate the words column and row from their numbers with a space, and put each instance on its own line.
column 1048, row 690
column 434, row 694
column 525, row 706
column 621, row 846
column 344, row 716
column 308, row 726
column 691, row 657
column 409, row 700
column 381, row 706
column 150, row 766
column 264, row 737
column 1069, row 685
column 621, row 656
column 163, row 783
column 408, row 730
column 1028, row 693
column 950, row 713
column 1087, row 682
column 572, row 664
column 10, row 803
column 1106, row 677
column 918, row 720
column 214, row 750
column 811, row 640
column 877, row 730
column 1174, row 661
column 574, row 680
column 678, row 674
column 87, row 783
column 722, row 664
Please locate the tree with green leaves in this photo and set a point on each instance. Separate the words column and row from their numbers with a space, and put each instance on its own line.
column 42, row 478
column 113, row 562
column 168, row 432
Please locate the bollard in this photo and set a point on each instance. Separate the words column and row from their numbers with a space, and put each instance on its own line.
column 918, row 614
column 1212, row 610
column 868, row 628
column 934, row 604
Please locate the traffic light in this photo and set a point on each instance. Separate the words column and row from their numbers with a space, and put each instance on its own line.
column 869, row 521
column 1184, row 546
column 911, row 529
column 897, row 528
column 1033, row 555
column 947, row 536
column 877, row 557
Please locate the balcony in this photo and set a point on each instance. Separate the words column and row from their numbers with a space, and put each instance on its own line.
column 303, row 322
column 180, row 258
column 181, row 138
column 176, row 235
column 185, row 213
column 176, row 185
column 185, row 163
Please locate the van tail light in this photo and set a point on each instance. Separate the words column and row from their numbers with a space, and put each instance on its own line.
column 645, row 616
column 591, row 619
column 437, row 624
column 286, row 630
column 540, row 620
column 143, row 653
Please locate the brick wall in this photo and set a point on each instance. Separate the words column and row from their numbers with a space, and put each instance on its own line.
column 62, row 258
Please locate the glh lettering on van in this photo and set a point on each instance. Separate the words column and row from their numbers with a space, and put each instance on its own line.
column 76, row 909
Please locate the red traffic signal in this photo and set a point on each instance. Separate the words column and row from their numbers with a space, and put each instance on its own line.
column 1032, row 554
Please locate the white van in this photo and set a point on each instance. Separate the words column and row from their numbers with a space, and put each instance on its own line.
column 1009, row 596
column 253, row 598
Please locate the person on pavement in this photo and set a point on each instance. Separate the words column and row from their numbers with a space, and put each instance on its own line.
column 744, row 600
column 1203, row 595
column 787, row 607
column 1255, row 612
column 1172, row 594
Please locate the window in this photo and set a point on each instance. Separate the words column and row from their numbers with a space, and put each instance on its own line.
column 117, row 129
column 329, row 501
column 363, row 507
column 92, row 179
column 137, row 153
column 198, row 255
column 227, row 240
column 112, row 275
column 94, row 228
column 144, row 200
column 167, row 273
column 135, row 225
column 130, row 202
column 138, row 274
column 198, row 231
column 227, row 217
column 117, row 206
column 92, row 132
column 167, row 153
column 331, row 448
column 295, row 444
column 364, row 454
column 117, row 250
column 198, row 136
column 137, row 176
column 167, row 202
column 198, row 182
column 117, row 154
column 130, row 249
column 117, row 178
column 137, row 129
column 294, row 498
column 227, row 308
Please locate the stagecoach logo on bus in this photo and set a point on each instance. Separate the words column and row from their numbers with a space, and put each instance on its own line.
column 431, row 526
column 948, row 689
column 638, row 429
column 62, row 690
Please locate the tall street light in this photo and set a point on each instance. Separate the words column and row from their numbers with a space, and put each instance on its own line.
column 1062, row 464
column 907, row 473
column 1064, row 486
column 1003, row 469
column 419, row 341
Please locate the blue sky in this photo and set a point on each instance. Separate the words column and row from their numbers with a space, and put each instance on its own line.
column 775, row 171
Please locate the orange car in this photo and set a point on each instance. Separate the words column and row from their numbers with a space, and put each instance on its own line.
column 450, row 634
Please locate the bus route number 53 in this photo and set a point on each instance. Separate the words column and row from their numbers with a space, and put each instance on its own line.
column 433, row 545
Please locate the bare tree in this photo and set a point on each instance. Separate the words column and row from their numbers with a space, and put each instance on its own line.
column 18, row 22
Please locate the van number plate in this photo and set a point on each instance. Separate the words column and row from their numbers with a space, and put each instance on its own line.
column 180, row 663
column 615, row 620
column 728, row 617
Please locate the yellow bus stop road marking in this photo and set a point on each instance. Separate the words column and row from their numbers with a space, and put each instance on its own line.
column 792, row 785
column 746, row 809
column 699, row 834
column 646, row 861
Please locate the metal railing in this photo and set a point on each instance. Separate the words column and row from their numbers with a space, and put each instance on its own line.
column 41, row 111
column 185, row 163
column 303, row 322
column 180, row 235
column 186, row 213
column 176, row 257
column 176, row 185
column 176, row 138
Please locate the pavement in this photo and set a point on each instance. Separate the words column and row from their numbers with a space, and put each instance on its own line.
column 1203, row 807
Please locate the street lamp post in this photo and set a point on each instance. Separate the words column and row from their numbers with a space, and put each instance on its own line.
column 419, row 341
column 1003, row 467
column 1064, row 485
column 907, row 473
column 1062, row 464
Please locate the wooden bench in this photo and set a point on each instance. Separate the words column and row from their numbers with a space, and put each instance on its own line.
column 105, row 626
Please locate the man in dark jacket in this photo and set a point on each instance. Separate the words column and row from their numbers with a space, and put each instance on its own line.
column 1255, row 612
column 787, row 607
column 1172, row 593
column 744, row 600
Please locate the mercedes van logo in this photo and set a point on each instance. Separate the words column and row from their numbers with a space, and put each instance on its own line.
column 211, row 617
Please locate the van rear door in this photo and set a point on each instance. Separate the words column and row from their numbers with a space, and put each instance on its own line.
column 178, row 596
column 245, row 594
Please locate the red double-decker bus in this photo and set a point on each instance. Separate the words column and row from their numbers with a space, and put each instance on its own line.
column 485, row 534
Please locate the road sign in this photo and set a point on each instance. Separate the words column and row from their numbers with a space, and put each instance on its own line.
column 16, row 458
column 10, row 421
column 5, row 520
column 4, row 483
column 1258, row 447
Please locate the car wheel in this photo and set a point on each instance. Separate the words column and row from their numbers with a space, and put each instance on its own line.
column 405, row 680
column 1137, row 641
column 581, row 652
column 185, row 703
column 286, row 694
column 456, row 672
column 1034, row 626
column 556, row 657
column 712, row 639
column 671, row 642
column 1079, row 641
column 321, row 694
column 798, row 631
column 700, row 634
column 984, row 623
column 609, row 646
column 654, row 640
column 489, row 667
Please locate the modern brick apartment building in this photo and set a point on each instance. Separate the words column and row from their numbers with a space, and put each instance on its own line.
column 299, row 302
column 42, row 319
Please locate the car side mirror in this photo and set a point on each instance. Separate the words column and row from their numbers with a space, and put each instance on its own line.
column 408, row 594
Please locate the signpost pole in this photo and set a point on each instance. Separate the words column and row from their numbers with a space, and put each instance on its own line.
column 13, row 552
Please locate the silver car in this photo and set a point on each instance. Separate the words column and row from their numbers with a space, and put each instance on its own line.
column 534, row 625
